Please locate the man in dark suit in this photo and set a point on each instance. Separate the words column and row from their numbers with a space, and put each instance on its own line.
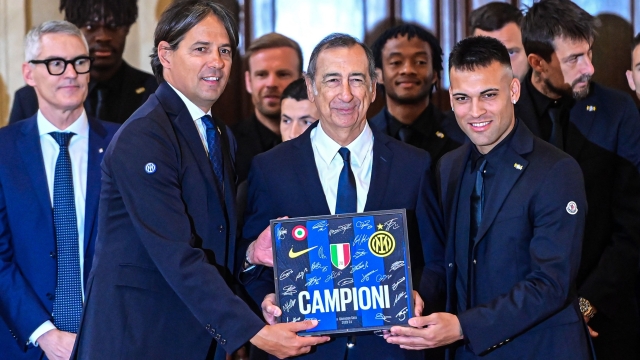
column 514, row 208
column 49, row 191
column 301, row 178
column 116, row 89
column 600, row 128
column 408, row 64
column 273, row 61
column 159, row 286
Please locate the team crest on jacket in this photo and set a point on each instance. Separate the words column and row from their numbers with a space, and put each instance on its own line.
column 340, row 255
column 572, row 208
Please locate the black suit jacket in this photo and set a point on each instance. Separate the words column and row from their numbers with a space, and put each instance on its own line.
column 284, row 182
column 136, row 87
column 158, row 288
column 253, row 138
column 445, row 137
column 603, row 135
column 526, row 254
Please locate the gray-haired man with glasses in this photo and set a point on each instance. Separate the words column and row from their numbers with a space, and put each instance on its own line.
column 49, row 191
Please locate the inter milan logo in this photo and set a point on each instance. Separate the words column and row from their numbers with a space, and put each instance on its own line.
column 299, row 233
column 340, row 255
column 381, row 243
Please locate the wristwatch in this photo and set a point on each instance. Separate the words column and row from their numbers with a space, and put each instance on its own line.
column 585, row 308
column 247, row 263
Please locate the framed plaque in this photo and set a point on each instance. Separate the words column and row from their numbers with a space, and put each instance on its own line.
column 351, row 272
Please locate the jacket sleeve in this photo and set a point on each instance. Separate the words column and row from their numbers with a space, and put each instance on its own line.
column 432, row 287
column 20, row 307
column 609, row 285
column 160, row 217
column 259, row 281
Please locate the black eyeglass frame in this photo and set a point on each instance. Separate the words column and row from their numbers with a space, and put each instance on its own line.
column 66, row 62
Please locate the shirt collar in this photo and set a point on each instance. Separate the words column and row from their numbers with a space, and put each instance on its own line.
column 328, row 148
column 80, row 127
column 195, row 111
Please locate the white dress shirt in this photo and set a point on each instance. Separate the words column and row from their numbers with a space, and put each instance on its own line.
column 79, row 153
column 196, row 115
column 329, row 164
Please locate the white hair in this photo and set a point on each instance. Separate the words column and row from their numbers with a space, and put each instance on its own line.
column 32, row 41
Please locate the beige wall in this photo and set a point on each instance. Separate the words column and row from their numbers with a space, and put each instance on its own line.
column 17, row 16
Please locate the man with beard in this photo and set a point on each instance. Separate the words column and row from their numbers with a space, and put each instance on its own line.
column 502, row 21
column 273, row 62
column 600, row 128
column 116, row 89
column 408, row 63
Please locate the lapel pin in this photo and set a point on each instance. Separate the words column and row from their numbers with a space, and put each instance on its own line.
column 591, row 108
column 439, row 134
column 517, row 166
column 140, row 90
column 100, row 150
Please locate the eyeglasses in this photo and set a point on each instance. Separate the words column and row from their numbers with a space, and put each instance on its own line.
column 57, row 66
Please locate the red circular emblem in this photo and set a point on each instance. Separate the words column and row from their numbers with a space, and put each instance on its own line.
column 299, row 233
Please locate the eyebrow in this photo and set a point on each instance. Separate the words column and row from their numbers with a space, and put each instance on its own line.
column 207, row 43
column 481, row 93
column 577, row 54
column 400, row 54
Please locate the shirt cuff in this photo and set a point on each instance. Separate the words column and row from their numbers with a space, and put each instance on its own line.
column 47, row 326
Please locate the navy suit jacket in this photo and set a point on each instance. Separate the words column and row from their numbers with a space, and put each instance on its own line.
column 158, row 288
column 27, row 239
column 603, row 135
column 284, row 182
column 526, row 254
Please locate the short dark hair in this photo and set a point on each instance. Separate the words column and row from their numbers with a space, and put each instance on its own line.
column 297, row 91
column 410, row 31
column 635, row 42
column 182, row 16
column 478, row 52
column 494, row 16
column 271, row 41
column 337, row 40
column 80, row 12
column 549, row 19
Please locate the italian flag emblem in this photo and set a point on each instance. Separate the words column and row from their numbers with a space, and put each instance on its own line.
column 341, row 255
column 299, row 233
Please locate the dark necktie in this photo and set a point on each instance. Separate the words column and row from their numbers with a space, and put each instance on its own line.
column 67, row 304
column 100, row 106
column 477, row 206
column 347, row 198
column 477, row 201
column 556, row 137
column 405, row 134
column 215, row 151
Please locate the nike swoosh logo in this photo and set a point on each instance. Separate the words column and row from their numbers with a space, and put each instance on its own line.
column 294, row 255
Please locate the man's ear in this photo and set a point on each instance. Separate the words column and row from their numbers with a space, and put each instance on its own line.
column 379, row 78
column 310, row 92
column 247, row 81
column 537, row 63
column 165, row 54
column 27, row 74
column 632, row 84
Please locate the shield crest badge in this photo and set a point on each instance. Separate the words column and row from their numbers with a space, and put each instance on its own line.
column 340, row 255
